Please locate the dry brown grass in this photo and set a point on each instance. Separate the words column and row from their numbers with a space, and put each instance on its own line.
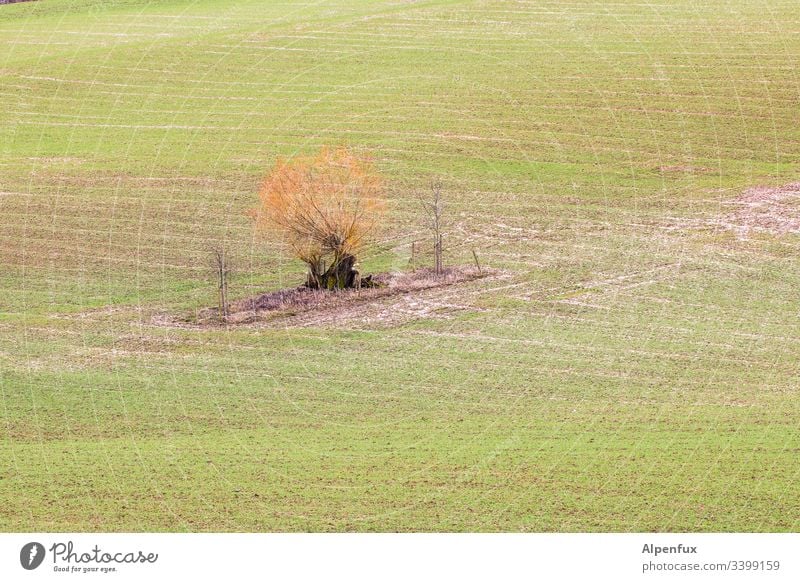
column 301, row 306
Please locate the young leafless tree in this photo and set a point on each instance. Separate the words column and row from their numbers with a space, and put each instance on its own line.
column 434, row 210
column 222, row 270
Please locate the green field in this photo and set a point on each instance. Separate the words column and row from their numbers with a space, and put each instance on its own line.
column 634, row 365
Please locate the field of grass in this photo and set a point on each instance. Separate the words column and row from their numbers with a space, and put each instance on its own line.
column 635, row 366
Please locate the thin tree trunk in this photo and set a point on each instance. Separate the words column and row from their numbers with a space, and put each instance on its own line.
column 437, row 255
column 221, row 260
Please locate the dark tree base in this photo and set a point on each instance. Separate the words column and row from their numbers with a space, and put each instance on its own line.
column 340, row 275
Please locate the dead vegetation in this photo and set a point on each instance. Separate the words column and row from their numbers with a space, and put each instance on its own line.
column 396, row 297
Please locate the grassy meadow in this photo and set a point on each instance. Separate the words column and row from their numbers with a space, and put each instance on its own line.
column 633, row 365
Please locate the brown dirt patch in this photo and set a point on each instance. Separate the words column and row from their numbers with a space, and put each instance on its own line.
column 773, row 210
column 758, row 210
column 763, row 209
column 400, row 297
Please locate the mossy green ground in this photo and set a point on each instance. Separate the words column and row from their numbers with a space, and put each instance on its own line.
column 629, row 372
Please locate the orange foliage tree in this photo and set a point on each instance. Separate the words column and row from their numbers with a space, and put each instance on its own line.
column 325, row 207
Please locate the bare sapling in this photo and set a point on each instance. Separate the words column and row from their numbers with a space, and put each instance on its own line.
column 433, row 208
column 222, row 271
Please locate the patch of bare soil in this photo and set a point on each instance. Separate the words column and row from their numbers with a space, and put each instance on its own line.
column 397, row 298
column 684, row 170
column 762, row 209
column 757, row 210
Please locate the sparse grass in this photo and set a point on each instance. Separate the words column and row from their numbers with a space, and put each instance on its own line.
column 627, row 375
